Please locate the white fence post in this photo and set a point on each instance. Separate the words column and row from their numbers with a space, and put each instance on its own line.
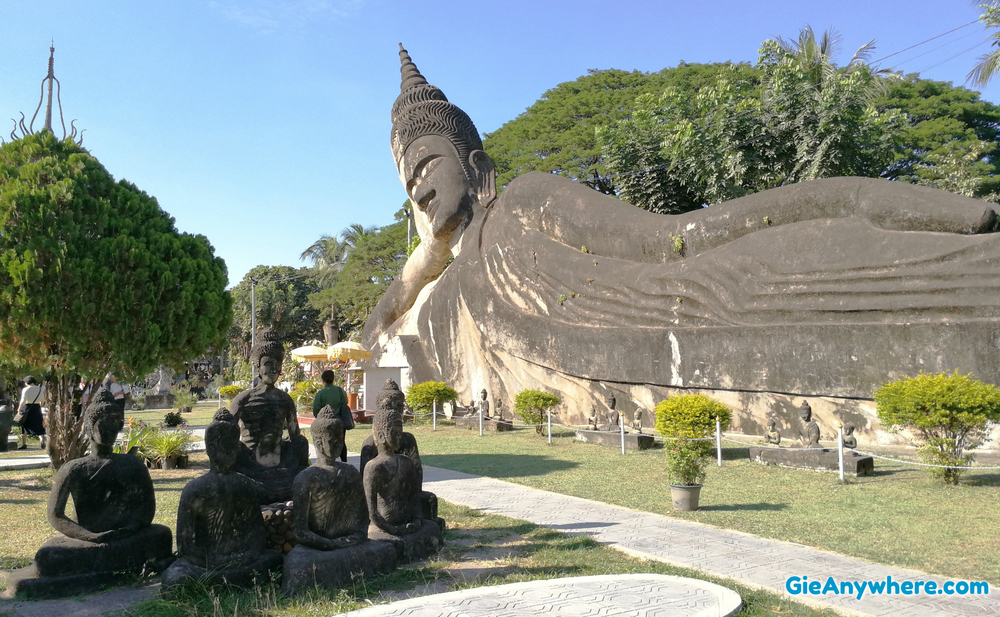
column 434, row 416
column 480, row 420
column 840, row 450
column 549, row 412
column 621, row 427
column 718, row 440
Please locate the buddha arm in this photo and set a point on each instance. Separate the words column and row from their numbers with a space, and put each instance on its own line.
column 58, row 499
column 187, row 546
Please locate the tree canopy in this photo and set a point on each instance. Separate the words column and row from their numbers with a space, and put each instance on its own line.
column 282, row 297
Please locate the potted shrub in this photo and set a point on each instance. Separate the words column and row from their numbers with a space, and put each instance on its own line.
column 169, row 447
column 184, row 400
column 686, row 421
column 531, row 406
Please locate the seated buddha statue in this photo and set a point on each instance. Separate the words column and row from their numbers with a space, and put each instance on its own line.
column 866, row 277
column 268, row 423
column 114, row 504
column 220, row 530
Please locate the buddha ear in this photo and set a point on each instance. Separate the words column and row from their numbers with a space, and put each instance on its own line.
column 486, row 175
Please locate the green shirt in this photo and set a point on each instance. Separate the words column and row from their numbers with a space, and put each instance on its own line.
column 331, row 395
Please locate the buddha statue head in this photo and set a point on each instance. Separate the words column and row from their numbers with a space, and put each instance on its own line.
column 387, row 425
column 222, row 444
column 805, row 412
column 103, row 420
column 483, row 395
column 612, row 401
column 266, row 357
column 328, row 435
column 439, row 157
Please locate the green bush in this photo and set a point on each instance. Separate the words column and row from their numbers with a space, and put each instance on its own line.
column 531, row 405
column 682, row 419
column 183, row 398
column 303, row 393
column 230, row 392
column 164, row 444
column 173, row 419
column 422, row 396
column 949, row 412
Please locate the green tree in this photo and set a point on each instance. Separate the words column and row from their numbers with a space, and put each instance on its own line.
column 951, row 139
column 949, row 412
column 988, row 65
column 421, row 397
column 282, row 298
column 556, row 134
column 795, row 117
column 531, row 406
column 94, row 277
column 371, row 266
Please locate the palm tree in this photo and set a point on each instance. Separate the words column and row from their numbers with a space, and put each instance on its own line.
column 989, row 64
column 328, row 254
column 816, row 58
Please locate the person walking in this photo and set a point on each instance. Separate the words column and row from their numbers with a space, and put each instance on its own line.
column 336, row 398
column 30, row 409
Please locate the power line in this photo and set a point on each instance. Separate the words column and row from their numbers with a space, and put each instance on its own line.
column 951, row 42
column 926, row 41
column 964, row 51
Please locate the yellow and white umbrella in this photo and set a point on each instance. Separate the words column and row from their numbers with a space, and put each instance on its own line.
column 349, row 350
column 310, row 353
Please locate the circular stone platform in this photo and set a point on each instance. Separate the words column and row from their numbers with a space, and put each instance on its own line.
column 633, row 595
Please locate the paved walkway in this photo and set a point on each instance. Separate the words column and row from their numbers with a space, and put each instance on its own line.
column 753, row 561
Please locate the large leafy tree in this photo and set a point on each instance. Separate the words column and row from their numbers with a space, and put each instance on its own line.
column 281, row 294
column 556, row 134
column 796, row 117
column 94, row 277
column 951, row 140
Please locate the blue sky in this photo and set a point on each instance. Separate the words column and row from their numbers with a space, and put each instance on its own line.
column 263, row 124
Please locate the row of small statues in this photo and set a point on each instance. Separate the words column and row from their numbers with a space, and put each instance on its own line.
column 482, row 407
column 809, row 431
column 345, row 520
column 613, row 418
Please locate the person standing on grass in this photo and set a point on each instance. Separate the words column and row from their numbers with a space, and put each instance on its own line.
column 336, row 398
column 31, row 408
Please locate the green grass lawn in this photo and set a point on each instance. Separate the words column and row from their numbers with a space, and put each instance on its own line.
column 898, row 517
column 200, row 415
column 479, row 550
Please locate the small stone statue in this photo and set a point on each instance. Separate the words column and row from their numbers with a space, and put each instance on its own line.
column 808, row 430
column 499, row 410
column 392, row 483
column 637, row 420
column 114, row 502
column 850, row 441
column 773, row 436
column 265, row 414
column 613, row 416
column 330, row 508
column 484, row 405
column 592, row 421
column 220, row 530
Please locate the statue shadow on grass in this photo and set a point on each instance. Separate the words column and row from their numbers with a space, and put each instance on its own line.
column 746, row 507
column 498, row 465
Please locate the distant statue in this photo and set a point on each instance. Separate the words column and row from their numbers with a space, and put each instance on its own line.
column 772, row 437
column 823, row 261
column 330, row 508
column 808, row 430
column 613, row 416
column 850, row 441
column 498, row 415
column 220, row 529
column 484, row 404
column 637, row 420
column 592, row 420
column 114, row 502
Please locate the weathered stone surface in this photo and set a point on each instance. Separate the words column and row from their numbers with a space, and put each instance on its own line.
column 819, row 289
column 253, row 574
column 489, row 424
column 824, row 459
column 306, row 567
column 63, row 556
column 427, row 540
column 633, row 441
column 158, row 401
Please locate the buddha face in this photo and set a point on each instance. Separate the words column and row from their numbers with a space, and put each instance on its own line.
column 269, row 370
column 328, row 443
column 437, row 182
column 612, row 401
column 104, row 429
column 805, row 414
column 483, row 395
column 223, row 450
column 390, row 438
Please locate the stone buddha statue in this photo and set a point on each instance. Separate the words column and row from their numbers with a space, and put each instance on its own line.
column 808, row 430
column 850, row 441
column 484, row 404
column 268, row 423
column 220, row 530
column 330, row 507
column 835, row 268
column 114, row 502
column 773, row 437
column 613, row 415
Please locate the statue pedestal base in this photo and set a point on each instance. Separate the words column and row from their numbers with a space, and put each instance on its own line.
column 489, row 424
column 633, row 441
column 820, row 459
column 158, row 401
column 252, row 575
column 416, row 546
column 65, row 566
column 306, row 567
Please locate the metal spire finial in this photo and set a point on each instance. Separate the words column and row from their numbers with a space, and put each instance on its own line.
column 50, row 77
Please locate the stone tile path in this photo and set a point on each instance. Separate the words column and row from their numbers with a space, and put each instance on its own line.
column 627, row 595
column 753, row 561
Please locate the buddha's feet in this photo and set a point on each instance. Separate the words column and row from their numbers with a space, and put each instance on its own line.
column 306, row 567
column 63, row 556
column 250, row 575
column 424, row 542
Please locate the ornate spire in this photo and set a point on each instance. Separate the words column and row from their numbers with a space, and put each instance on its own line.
column 408, row 71
column 30, row 128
